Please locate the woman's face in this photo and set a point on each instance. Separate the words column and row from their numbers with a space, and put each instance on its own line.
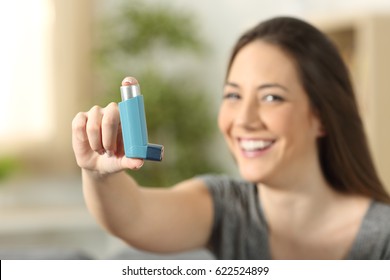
column 266, row 117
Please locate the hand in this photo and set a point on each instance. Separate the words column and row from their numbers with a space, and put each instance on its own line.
column 97, row 141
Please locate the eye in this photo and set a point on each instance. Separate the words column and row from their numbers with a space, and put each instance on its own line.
column 231, row 96
column 272, row 98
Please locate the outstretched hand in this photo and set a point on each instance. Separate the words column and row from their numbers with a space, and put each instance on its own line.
column 97, row 140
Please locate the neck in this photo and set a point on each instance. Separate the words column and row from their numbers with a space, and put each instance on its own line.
column 314, row 222
column 297, row 202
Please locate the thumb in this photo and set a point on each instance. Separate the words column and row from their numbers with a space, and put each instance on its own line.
column 131, row 163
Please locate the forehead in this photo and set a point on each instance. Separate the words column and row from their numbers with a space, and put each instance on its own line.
column 263, row 62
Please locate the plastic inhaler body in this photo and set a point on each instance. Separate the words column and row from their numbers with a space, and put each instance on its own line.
column 134, row 130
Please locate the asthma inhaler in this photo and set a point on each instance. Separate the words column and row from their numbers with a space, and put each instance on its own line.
column 133, row 122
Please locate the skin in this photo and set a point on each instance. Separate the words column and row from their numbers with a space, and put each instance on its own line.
column 160, row 220
column 263, row 99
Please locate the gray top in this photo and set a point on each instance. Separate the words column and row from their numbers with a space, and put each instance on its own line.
column 240, row 229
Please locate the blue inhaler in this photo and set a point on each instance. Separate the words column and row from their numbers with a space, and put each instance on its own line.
column 133, row 122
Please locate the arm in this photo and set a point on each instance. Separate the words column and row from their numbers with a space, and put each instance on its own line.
column 161, row 220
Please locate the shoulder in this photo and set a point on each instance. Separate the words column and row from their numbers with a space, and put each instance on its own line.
column 226, row 186
column 374, row 236
column 380, row 213
column 378, row 219
column 238, row 224
column 234, row 200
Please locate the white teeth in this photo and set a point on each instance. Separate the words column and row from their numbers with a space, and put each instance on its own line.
column 251, row 145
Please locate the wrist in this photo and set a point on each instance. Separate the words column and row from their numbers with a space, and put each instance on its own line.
column 96, row 175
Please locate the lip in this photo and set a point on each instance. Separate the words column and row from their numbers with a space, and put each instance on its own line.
column 255, row 153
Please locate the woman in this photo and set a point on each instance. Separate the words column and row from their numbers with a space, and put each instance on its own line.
column 309, row 189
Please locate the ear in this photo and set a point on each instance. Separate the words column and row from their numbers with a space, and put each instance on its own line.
column 320, row 130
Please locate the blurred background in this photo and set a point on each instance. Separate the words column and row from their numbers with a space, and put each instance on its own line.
column 59, row 57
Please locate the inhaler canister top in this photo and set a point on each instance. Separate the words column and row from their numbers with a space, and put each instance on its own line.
column 130, row 88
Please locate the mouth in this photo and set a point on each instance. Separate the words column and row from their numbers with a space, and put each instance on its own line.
column 255, row 147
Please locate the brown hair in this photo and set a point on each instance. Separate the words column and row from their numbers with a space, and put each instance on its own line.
column 344, row 154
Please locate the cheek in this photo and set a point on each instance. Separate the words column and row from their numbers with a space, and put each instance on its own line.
column 292, row 125
column 224, row 121
column 279, row 120
column 295, row 124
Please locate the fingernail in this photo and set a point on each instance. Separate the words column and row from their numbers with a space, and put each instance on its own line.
column 139, row 166
column 109, row 153
column 101, row 152
column 128, row 81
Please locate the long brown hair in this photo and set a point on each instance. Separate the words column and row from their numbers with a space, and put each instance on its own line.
column 344, row 154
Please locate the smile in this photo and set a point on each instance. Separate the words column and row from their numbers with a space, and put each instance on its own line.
column 255, row 147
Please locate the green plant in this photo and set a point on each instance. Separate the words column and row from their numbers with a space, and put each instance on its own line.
column 141, row 40
column 8, row 165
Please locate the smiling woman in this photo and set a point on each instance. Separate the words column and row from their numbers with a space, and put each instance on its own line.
column 309, row 189
column 263, row 124
column 325, row 80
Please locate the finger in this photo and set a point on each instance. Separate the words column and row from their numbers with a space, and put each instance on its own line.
column 110, row 124
column 126, row 163
column 80, row 141
column 94, row 129
column 128, row 81
column 132, row 163
column 78, row 127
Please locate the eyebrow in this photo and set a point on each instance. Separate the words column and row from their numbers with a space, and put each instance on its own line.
column 262, row 86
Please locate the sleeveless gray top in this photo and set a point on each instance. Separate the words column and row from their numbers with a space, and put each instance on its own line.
column 240, row 229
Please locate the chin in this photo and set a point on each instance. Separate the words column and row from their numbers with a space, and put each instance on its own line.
column 253, row 176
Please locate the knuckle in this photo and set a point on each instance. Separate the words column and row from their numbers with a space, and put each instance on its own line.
column 79, row 121
column 112, row 105
column 110, row 118
column 110, row 121
column 95, row 109
column 93, row 128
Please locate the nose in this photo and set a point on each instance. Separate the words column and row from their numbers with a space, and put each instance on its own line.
column 248, row 115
